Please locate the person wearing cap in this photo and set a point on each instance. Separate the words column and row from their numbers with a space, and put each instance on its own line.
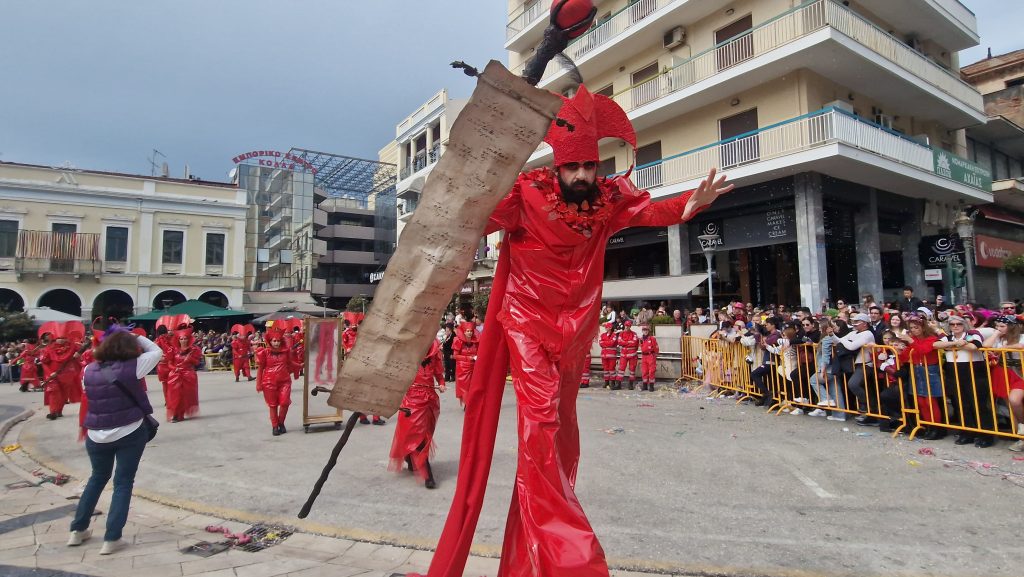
column 863, row 368
column 629, row 343
column 557, row 221
column 649, row 359
column 966, row 382
column 609, row 343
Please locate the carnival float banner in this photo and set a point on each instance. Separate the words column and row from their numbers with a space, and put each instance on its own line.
column 490, row 142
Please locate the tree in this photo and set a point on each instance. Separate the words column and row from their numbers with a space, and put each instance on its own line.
column 15, row 326
column 480, row 301
column 357, row 304
column 1014, row 264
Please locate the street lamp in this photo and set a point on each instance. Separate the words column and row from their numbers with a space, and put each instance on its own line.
column 965, row 228
column 708, row 242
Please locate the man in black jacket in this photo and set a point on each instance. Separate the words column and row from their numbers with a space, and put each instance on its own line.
column 909, row 302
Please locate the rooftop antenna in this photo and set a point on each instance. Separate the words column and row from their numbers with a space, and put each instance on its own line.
column 153, row 166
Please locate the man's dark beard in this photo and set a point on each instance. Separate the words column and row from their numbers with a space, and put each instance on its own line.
column 577, row 196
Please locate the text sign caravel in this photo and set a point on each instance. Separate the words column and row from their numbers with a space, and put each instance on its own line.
column 491, row 140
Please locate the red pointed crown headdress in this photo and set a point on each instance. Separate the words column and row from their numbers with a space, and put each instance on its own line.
column 592, row 117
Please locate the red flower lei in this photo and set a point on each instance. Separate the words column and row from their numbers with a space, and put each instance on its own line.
column 583, row 217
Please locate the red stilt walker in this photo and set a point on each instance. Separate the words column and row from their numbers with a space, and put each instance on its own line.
column 464, row 350
column 609, row 343
column 548, row 282
column 182, row 380
column 62, row 383
column 241, row 350
column 649, row 360
column 413, row 444
column 275, row 364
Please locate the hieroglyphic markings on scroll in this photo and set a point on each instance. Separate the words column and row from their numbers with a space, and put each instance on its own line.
column 491, row 140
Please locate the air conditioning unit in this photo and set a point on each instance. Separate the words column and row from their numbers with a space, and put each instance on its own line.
column 674, row 37
column 841, row 105
column 884, row 120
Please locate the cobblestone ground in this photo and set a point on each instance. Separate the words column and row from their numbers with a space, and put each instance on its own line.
column 673, row 484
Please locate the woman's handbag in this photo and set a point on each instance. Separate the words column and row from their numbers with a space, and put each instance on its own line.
column 148, row 421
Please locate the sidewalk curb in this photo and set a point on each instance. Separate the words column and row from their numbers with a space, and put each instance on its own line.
column 9, row 423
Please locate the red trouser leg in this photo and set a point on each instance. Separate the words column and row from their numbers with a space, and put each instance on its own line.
column 284, row 400
column 246, row 369
column 649, row 366
column 608, row 369
column 270, row 396
column 929, row 409
column 547, row 533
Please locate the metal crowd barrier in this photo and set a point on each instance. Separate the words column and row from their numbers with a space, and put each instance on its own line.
column 973, row 398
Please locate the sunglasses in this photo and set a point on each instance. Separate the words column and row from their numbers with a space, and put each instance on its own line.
column 956, row 324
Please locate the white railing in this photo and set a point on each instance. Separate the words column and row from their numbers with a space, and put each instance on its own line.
column 817, row 129
column 531, row 11
column 604, row 32
column 783, row 29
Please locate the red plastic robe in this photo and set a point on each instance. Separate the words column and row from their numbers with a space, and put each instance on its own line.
column 414, row 434
column 29, row 370
column 183, row 382
column 274, row 369
column 548, row 279
column 66, row 387
column 464, row 351
column 241, row 351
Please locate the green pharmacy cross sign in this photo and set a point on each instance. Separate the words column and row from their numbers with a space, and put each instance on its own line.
column 953, row 167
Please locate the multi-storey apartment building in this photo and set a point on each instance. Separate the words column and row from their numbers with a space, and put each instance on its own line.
column 420, row 140
column 93, row 243
column 841, row 123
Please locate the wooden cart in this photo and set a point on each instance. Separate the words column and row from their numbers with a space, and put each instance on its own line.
column 322, row 365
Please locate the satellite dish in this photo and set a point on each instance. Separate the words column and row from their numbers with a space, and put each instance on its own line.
column 232, row 174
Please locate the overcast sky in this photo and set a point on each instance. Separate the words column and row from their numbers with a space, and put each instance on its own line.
column 100, row 83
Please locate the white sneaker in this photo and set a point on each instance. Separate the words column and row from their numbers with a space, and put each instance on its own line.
column 817, row 413
column 79, row 537
column 840, row 418
column 1017, row 447
column 802, row 400
column 822, row 403
column 797, row 411
column 785, row 410
column 112, row 546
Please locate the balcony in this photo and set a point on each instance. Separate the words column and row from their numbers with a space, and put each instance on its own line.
column 348, row 231
column 278, row 241
column 822, row 36
column 57, row 253
column 829, row 141
column 527, row 26
column 279, row 218
column 948, row 22
column 423, row 159
column 348, row 257
column 427, row 109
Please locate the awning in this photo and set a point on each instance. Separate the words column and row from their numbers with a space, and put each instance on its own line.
column 42, row 315
column 670, row 287
column 995, row 213
column 193, row 308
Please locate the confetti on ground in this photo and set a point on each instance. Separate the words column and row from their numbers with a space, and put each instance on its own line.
column 914, row 463
column 11, row 448
column 615, row 431
column 1018, row 458
column 863, row 434
column 926, row 451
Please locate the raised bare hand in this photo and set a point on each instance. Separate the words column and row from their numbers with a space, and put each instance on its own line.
column 706, row 193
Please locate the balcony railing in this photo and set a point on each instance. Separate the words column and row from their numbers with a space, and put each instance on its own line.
column 422, row 160
column 41, row 251
column 783, row 29
column 531, row 11
column 605, row 32
column 826, row 126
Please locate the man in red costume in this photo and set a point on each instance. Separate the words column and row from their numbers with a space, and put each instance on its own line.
column 629, row 343
column 182, row 380
column 241, row 351
column 609, row 343
column 649, row 362
column 464, row 350
column 61, row 369
column 29, row 370
column 413, row 443
column 275, row 364
column 548, row 283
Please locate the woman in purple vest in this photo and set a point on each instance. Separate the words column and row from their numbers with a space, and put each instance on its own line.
column 115, row 429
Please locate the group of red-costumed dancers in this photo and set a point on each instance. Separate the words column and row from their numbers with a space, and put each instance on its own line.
column 625, row 349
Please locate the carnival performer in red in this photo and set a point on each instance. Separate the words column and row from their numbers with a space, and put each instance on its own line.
column 29, row 370
column 323, row 366
column 629, row 343
column 649, row 362
column 464, row 350
column 241, row 350
column 413, row 443
column 585, row 378
column 275, row 364
column 60, row 360
column 164, row 340
column 298, row 349
column 609, row 342
column 182, row 380
column 548, row 281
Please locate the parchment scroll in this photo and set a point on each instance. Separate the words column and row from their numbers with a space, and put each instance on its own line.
column 491, row 140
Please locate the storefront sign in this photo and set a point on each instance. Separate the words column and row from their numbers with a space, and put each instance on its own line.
column 276, row 159
column 939, row 249
column 638, row 238
column 467, row 288
column 953, row 167
column 991, row 252
column 376, row 276
column 931, row 274
column 775, row 225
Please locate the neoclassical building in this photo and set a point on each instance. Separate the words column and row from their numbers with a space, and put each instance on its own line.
column 89, row 243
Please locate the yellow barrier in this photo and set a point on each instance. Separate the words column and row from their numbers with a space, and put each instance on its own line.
column 980, row 398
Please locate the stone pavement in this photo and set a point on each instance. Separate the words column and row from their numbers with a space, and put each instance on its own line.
column 34, row 531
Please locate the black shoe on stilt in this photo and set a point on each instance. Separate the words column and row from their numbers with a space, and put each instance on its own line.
column 364, row 421
column 51, row 416
column 275, row 431
column 24, row 388
column 282, row 429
